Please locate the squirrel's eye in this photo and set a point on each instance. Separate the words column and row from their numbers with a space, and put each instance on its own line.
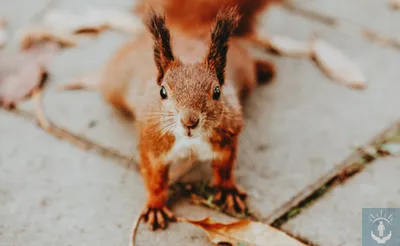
column 217, row 93
column 163, row 93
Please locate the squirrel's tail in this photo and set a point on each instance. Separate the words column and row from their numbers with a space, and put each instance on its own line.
column 195, row 15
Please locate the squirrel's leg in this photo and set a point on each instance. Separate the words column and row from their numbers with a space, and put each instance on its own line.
column 155, row 175
column 228, row 194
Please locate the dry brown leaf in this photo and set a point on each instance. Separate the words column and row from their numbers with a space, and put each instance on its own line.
column 244, row 232
column 39, row 35
column 22, row 73
column 3, row 32
column 336, row 65
column 394, row 4
column 87, row 82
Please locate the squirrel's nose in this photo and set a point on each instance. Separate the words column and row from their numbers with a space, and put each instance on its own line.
column 191, row 121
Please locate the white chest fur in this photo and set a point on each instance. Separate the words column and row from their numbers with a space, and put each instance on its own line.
column 185, row 147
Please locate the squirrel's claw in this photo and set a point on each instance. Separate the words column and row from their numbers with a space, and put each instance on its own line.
column 231, row 199
column 158, row 217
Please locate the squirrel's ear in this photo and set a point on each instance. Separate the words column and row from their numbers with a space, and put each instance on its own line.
column 163, row 56
column 225, row 23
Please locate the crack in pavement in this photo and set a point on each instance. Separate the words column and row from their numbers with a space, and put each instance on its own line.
column 82, row 142
column 352, row 165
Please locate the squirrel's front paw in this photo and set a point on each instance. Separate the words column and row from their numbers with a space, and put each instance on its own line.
column 158, row 217
column 231, row 199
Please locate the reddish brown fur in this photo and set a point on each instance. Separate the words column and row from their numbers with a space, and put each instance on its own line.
column 189, row 68
column 195, row 16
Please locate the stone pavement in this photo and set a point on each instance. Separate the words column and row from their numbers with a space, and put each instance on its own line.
column 300, row 131
column 336, row 219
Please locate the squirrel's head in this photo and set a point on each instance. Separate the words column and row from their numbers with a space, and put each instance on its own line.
column 192, row 93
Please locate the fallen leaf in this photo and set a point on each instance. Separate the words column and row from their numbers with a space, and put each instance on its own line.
column 38, row 35
column 394, row 4
column 336, row 65
column 87, row 82
column 3, row 32
column 288, row 46
column 245, row 232
column 22, row 73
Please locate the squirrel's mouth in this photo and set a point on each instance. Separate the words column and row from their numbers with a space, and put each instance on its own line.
column 192, row 133
column 189, row 133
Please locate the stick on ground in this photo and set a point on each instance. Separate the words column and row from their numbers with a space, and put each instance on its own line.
column 134, row 229
column 43, row 121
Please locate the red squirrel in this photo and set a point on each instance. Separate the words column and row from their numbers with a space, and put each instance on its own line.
column 184, row 91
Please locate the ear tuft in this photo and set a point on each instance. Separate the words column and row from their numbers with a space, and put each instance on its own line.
column 226, row 22
column 163, row 55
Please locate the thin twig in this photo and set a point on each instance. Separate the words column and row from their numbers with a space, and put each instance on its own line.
column 37, row 98
column 134, row 229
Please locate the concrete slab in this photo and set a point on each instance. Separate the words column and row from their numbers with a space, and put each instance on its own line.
column 52, row 193
column 85, row 112
column 336, row 218
column 368, row 14
column 303, row 124
column 297, row 128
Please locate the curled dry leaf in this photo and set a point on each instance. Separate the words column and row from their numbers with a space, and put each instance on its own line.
column 39, row 35
column 22, row 73
column 3, row 32
column 336, row 65
column 244, row 232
